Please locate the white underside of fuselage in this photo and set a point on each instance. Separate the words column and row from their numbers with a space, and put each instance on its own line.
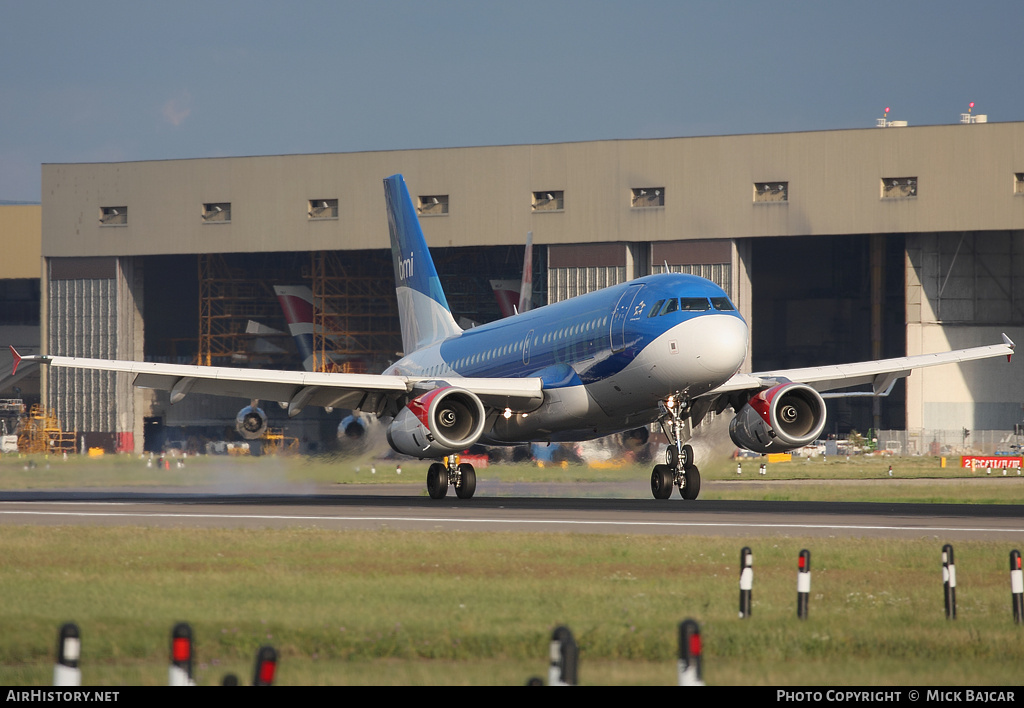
column 688, row 360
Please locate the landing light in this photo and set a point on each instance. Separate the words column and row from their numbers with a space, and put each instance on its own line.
column 508, row 413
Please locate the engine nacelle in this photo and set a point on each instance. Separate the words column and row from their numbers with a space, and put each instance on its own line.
column 251, row 423
column 440, row 422
column 351, row 427
column 779, row 419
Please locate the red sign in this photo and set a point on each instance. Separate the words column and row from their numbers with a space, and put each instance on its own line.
column 977, row 462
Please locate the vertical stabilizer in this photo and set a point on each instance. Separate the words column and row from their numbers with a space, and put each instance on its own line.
column 297, row 305
column 422, row 307
column 526, row 287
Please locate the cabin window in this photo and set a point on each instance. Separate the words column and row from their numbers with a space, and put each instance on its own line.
column 655, row 308
column 722, row 303
column 670, row 306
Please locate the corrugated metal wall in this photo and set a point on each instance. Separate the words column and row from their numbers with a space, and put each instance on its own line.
column 83, row 323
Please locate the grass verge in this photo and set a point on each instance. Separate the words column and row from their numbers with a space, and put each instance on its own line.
column 388, row 607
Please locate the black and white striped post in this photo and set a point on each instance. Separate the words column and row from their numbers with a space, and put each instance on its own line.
column 564, row 657
column 1017, row 586
column 180, row 671
column 691, row 665
column 266, row 666
column 746, row 580
column 803, row 584
column 949, row 581
column 69, row 648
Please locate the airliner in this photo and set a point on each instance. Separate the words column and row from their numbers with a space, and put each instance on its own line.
column 663, row 349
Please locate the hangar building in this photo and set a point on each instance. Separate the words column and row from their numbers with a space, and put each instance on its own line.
column 837, row 246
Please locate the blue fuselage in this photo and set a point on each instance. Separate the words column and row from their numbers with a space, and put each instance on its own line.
column 606, row 358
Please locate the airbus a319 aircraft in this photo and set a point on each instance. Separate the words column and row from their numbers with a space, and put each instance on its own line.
column 659, row 349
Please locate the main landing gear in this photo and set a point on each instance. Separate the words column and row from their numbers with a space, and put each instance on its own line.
column 679, row 469
column 451, row 472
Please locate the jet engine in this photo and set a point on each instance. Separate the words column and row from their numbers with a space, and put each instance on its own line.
column 778, row 419
column 351, row 427
column 251, row 422
column 438, row 423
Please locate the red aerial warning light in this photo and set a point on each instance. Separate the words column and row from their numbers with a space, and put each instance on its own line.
column 887, row 109
column 971, row 104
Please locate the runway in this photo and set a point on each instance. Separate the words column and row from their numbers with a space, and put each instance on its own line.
column 404, row 507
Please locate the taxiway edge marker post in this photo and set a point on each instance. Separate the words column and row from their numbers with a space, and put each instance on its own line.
column 691, row 665
column 266, row 666
column 564, row 658
column 803, row 584
column 949, row 581
column 1016, row 586
column 180, row 671
column 69, row 648
column 746, row 581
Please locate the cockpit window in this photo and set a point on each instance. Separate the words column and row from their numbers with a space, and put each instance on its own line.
column 694, row 304
column 722, row 303
column 655, row 308
column 670, row 306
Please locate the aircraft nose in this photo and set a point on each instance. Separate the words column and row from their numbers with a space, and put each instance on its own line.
column 721, row 343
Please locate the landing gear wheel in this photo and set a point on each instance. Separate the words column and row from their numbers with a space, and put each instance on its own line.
column 677, row 459
column 691, row 483
column 467, row 481
column 437, row 481
column 661, row 482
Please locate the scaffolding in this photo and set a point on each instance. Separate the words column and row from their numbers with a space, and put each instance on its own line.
column 355, row 316
column 229, row 298
column 275, row 442
column 41, row 432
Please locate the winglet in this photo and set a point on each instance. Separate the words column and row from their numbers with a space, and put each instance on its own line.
column 1009, row 342
column 17, row 359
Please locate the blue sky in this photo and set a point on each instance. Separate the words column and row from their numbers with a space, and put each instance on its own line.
column 117, row 81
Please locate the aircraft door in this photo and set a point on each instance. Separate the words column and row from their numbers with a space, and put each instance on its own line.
column 624, row 312
column 526, row 347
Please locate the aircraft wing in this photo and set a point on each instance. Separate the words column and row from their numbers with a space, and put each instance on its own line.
column 880, row 374
column 298, row 388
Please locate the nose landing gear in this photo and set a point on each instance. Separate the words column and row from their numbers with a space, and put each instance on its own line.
column 679, row 468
